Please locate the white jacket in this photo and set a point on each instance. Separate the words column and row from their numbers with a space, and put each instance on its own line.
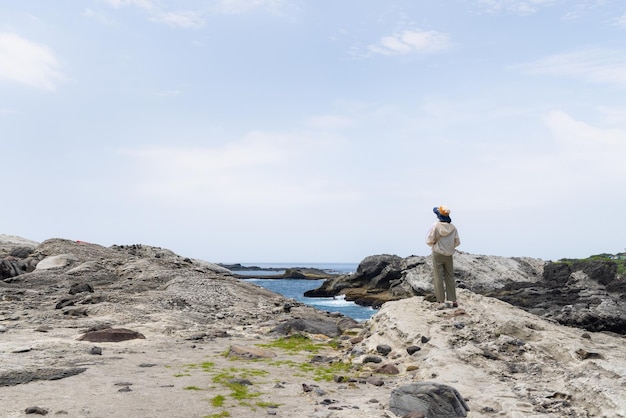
column 443, row 237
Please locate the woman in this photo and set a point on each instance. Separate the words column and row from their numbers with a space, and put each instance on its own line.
column 443, row 238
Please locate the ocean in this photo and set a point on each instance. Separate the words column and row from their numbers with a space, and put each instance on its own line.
column 293, row 288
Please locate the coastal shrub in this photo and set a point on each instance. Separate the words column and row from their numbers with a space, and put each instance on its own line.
column 191, row 388
column 618, row 259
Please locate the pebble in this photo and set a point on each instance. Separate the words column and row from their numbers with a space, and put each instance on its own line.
column 412, row 349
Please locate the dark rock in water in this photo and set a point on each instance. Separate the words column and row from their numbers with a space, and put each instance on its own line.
column 111, row 335
column 374, row 272
column 13, row 378
column 432, row 399
column 312, row 326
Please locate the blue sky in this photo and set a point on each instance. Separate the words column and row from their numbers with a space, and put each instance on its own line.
column 303, row 131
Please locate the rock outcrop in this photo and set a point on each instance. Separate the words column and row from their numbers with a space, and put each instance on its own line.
column 587, row 294
column 153, row 333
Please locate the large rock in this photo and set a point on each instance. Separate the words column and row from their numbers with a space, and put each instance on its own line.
column 370, row 285
column 586, row 294
column 434, row 400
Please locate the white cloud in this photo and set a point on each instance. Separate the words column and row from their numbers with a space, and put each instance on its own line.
column 246, row 6
column 26, row 62
column 260, row 167
column 193, row 19
column 411, row 41
column 329, row 122
column 169, row 93
column 142, row 4
column 92, row 14
column 523, row 7
column 596, row 65
column 182, row 19
column 600, row 149
column 620, row 21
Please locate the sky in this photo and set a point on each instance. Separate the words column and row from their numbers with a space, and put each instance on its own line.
column 315, row 131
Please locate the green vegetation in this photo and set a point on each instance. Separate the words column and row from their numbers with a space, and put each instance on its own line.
column 235, row 381
column 262, row 404
column 618, row 259
column 295, row 343
column 218, row 400
column 222, row 414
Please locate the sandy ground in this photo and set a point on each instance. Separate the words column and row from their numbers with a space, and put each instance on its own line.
column 171, row 377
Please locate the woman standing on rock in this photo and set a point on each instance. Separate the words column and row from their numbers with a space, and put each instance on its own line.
column 443, row 238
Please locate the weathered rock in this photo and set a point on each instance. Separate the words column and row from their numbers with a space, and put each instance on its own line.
column 250, row 352
column 36, row 410
column 311, row 326
column 372, row 359
column 18, row 377
column 97, row 351
column 374, row 272
column 374, row 380
column 111, row 335
column 383, row 349
column 412, row 349
column 80, row 288
column 388, row 369
column 432, row 399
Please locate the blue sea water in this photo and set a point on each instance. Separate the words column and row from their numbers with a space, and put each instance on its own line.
column 295, row 289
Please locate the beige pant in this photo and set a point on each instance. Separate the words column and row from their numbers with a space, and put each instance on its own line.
column 443, row 275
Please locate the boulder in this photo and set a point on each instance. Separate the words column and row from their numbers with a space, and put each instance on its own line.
column 111, row 335
column 434, row 400
column 311, row 326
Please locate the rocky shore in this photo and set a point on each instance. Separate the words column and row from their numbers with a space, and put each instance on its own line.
column 138, row 331
column 588, row 294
